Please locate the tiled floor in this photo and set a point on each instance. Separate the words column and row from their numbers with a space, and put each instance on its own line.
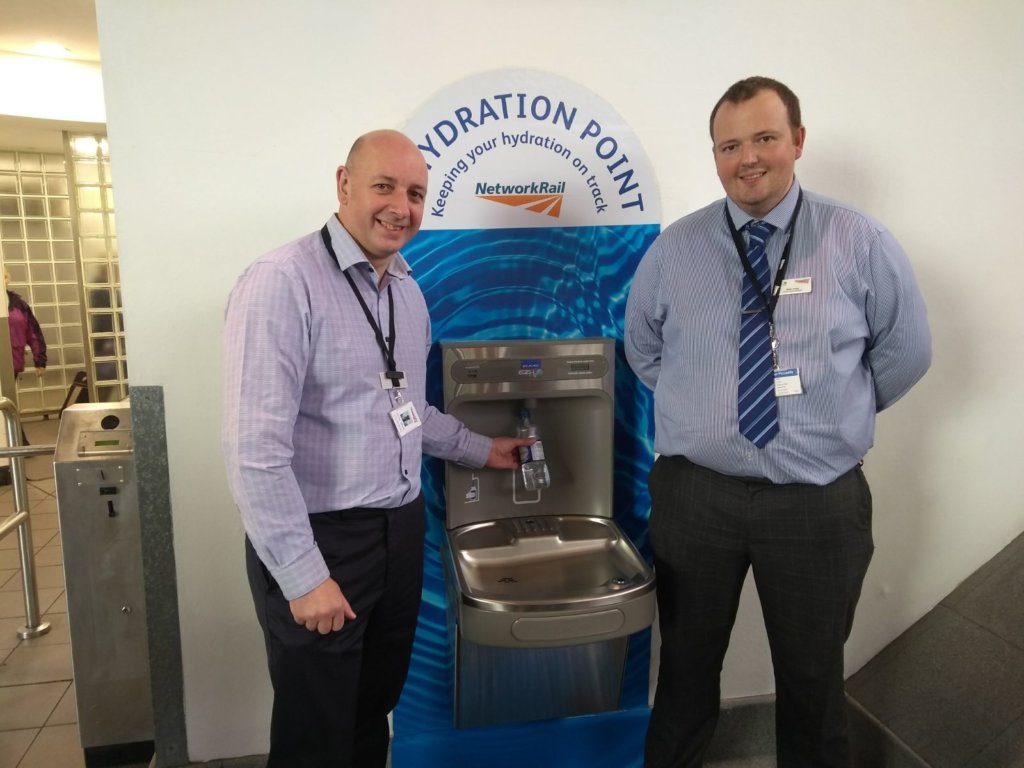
column 950, row 686
column 38, row 717
column 38, row 721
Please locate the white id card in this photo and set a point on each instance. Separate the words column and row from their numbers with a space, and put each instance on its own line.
column 787, row 382
column 406, row 419
column 795, row 285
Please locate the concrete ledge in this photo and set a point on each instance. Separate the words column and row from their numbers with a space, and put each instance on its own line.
column 746, row 729
column 872, row 744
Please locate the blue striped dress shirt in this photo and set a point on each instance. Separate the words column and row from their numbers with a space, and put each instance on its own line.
column 859, row 338
column 306, row 421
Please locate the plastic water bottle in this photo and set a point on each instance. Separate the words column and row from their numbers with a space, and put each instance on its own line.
column 535, row 467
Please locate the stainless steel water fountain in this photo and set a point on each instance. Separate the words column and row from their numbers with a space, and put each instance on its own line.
column 544, row 587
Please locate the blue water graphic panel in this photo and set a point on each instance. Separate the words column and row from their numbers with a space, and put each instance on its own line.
column 549, row 283
column 611, row 740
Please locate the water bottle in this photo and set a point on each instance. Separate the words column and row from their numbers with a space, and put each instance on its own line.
column 535, row 468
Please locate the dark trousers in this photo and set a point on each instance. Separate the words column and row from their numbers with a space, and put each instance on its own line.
column 809, row 547
column 332, row 693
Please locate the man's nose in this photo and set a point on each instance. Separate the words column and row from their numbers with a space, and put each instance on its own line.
column 399, row 203
column 748, row 154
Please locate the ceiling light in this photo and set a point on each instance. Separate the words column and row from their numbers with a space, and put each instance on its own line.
column 52, row 50
column 84, row 146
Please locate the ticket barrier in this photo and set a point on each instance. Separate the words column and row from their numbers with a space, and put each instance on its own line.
column 98, row 507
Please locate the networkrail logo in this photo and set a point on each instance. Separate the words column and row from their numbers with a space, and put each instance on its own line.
column 538, row 196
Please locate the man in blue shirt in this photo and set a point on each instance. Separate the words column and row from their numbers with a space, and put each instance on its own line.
column 325, row 422
column 838, row 327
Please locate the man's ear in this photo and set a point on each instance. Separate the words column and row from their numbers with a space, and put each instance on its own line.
column 341, row 177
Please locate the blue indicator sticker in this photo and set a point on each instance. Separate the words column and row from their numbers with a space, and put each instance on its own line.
column 531, row 364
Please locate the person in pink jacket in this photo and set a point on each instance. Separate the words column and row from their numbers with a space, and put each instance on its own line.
column 25, row 332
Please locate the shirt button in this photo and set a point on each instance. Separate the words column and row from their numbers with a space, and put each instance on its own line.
column 405, row 471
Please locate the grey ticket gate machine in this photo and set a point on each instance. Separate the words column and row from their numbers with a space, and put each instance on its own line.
column 544, row 588
column 98, row 507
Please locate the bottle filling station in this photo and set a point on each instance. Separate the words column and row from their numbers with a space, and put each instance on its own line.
column 544, row 588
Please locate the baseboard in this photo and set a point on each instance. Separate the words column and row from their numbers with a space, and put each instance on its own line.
column 746, row 728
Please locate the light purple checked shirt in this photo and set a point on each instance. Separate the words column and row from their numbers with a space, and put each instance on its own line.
column 859, row 338
column 306, row 422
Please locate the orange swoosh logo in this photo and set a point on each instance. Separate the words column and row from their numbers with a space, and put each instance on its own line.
column 549, row 204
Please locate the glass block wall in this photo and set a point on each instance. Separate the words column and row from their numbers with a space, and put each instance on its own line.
column 93, row 206
column 58, row 242
column 38, row 250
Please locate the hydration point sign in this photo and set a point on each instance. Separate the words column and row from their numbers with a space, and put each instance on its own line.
column 520, row 148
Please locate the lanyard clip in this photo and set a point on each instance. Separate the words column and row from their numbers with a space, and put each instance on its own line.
column 392, row 379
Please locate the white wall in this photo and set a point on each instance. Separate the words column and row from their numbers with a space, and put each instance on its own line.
column 227, row 120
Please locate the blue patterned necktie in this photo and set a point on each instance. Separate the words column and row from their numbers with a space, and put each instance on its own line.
column 758, row 412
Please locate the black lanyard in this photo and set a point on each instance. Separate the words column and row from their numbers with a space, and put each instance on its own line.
column 388, row 350
column 769, row 302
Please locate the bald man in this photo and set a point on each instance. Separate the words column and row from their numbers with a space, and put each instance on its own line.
column 325, row 422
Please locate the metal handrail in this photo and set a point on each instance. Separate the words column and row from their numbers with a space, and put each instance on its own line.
column 16, row 452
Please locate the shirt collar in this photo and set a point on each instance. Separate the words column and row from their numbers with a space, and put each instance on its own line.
column 779, row 216
column 350, row 254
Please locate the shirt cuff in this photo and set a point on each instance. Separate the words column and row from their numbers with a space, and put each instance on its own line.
column 302, row 575
column 478, row 448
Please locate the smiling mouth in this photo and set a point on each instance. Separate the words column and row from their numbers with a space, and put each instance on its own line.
column 390, row 227
column 752, row 176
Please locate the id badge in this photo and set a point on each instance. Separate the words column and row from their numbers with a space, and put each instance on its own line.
column 795, row 285
column 405, row 418
column 787, row 382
